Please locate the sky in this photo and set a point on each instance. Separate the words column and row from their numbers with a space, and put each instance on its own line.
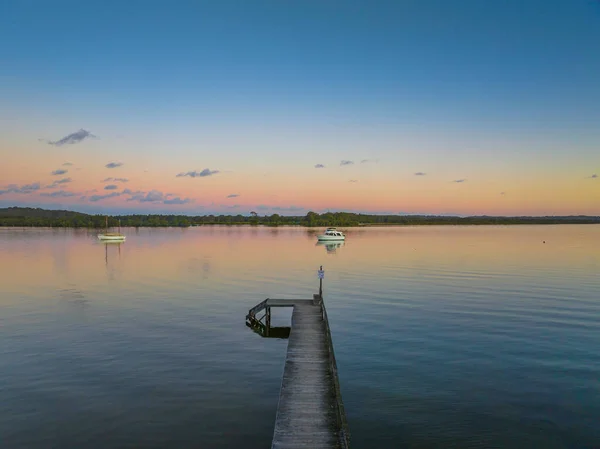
column 201, row 107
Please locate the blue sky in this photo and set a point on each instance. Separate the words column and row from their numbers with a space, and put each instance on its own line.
column 465, row 89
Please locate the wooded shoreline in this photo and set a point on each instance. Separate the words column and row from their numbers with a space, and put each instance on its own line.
column 32, row 217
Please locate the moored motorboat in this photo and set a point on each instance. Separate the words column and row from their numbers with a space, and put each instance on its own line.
column 331, row 235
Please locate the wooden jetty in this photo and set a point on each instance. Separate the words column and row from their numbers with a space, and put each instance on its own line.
column 310, row 413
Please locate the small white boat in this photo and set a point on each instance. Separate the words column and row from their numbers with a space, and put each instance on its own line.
column 331, row 235
column 112, row 236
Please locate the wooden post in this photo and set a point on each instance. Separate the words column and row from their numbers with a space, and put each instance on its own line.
column 268, row 321
column 321, row 281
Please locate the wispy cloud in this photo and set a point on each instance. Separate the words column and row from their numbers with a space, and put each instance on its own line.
column 59, row 182
column 353, row 180
column 60, row 171
column 24, row 189
column 458, row 181
column 420, row 173
column 115, row 180
column 233, row 195
column 264, row 207
column 153, row 196
column 178, row 200
column 111, row 187
column 95, row 198
column 198, row 174
column 366, row 161
column 114, row 164
column 73, row 138
column 344, row 162
column 594, row 176
column 319, row 166
column 288, row 209
column 59, row 194
column 67, row 164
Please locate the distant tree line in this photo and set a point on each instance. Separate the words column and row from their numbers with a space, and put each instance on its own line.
column 26, row 217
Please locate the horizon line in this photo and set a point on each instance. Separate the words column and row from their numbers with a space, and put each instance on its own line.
column 304, row 215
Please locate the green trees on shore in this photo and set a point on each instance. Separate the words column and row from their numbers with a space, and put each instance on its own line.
column 26, row 217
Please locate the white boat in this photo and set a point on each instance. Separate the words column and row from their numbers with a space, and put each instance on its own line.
column 112, row 236
column 331, row 235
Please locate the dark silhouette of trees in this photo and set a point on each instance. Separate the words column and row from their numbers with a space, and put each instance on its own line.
column 23, row 216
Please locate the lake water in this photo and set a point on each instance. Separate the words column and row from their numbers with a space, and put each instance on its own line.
column 445, row 337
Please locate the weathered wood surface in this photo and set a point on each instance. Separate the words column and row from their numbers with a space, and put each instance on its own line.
column 287, row 302
column 308, row 414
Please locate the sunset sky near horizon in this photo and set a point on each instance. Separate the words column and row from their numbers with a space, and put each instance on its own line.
column 434, row 107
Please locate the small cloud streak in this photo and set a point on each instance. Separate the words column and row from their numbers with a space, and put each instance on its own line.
column 319, row 166
column 95, row 198
column 233, row 195
column 111, row 187
column 73, row 138
column 502, row 193
column 420, row 173
column 59, row 194
column 353, row 180
column 67, row 164
column 153, row 196
column 263, row 207
column 115, row 180
column 594, row 176
column 24, row 189
column 114, row 164
column 156, row 196
column 344, row 162
column 178, row 200
column 288, row 209
column 59, row 182
column 196, row 174
column 60, row 171
column 458, row 181
column 366, row 161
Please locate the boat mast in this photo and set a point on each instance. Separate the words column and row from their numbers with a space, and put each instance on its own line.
column 106, row 217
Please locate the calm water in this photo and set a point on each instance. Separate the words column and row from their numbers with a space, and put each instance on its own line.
column 446, row 337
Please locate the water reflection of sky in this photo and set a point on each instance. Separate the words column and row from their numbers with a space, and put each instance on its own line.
column 489, row 322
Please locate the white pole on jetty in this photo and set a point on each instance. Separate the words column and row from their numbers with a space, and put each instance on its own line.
column 321, row 276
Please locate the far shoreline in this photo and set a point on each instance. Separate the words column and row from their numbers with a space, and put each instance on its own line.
column 315, row 228
column 26, row 217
